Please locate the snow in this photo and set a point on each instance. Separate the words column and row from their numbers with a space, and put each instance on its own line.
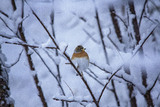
column 46, row 44
column 63, row 46
column 70, row 31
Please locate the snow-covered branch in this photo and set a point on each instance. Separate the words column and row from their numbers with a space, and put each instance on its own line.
column 28, row 45
column 72, row 99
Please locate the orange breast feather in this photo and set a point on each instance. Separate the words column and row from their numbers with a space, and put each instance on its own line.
column 80, row 55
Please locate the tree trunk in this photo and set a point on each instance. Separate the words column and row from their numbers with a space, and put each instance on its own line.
column 5, row 100
column 134, row 22
column 115, row 23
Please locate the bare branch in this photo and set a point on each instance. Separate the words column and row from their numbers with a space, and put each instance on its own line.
column 92, row 72
column 10, row 65
column 69, row 88
column 113, row 42
column 45, row 63
column 4, row 13
column 144, row 5
column 134, row 22
column 120, row 77
column 101, row 36
column 99, row 67
column 157, row 7
column 81, row 18
column 89, row 35
column 121, row 20
column 115, row 94
column 8, row 26
column 13, row 5
column 85, row 82
column 115, row 23
column 141, row 45
column 151, row 20
column 50, row 71
column 65, row 48
column 154, row 83
column 108, row 83
column 43, row 26
column 72, row 100
column 4, row 36
column 32, row 46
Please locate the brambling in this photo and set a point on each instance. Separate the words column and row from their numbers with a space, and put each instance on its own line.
column 80, row 58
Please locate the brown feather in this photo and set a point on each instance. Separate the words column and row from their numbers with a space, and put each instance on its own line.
column 80, row 55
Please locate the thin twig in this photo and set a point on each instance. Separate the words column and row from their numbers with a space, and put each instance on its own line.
column 68, row 100
column 92, row 72
column 69, row 88
column 143, row 10
column 89, row 35
column 4, row 13
column 32, row 46
column 49, row 70
column 45, row 63
column 99, row 67
column 121, row 20
column 154, row 83
column 85, row 82
column 101, row 36
column 113, row 43
column 120, row 77
column 65, row 54
column 4, row 36
column 108, row 83
column 43, row 25
column 8, row 26
column 144, row 41
column 11, row 65
column 150, row 19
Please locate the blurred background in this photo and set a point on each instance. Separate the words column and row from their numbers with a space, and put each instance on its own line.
column 121, row 36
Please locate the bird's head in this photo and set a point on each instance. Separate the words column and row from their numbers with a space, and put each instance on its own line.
column 79, row 48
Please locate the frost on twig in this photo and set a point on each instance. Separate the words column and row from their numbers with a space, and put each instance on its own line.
column 14, row 63
column 78, row 99
column 142, row 42
column 28, row 45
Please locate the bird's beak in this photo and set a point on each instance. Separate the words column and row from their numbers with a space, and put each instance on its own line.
column 84, row 49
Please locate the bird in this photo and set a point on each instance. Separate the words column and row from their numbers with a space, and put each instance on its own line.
column 80, row 58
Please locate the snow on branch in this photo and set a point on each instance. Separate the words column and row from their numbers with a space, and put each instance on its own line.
column 108, row 83
column 7, row 26
column 43, row 25
column 143, row 41
column 154, row 83
column 72, row 99
column 32, row 46
column 14, row 63
column 65, row 54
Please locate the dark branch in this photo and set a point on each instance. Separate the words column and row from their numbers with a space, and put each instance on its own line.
column 101, row 36
column 144, row 5
column 9, row 66
column 89, row 35
column 115, row 23
column 13, row 5
column 144, row 41
column 73, row 100
column 100, row 67
column 4, row 13
column 43, row 26
column 113, row 42
column 7, row 26
column 108, row 83
column 32, row 46
column 154, row 83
